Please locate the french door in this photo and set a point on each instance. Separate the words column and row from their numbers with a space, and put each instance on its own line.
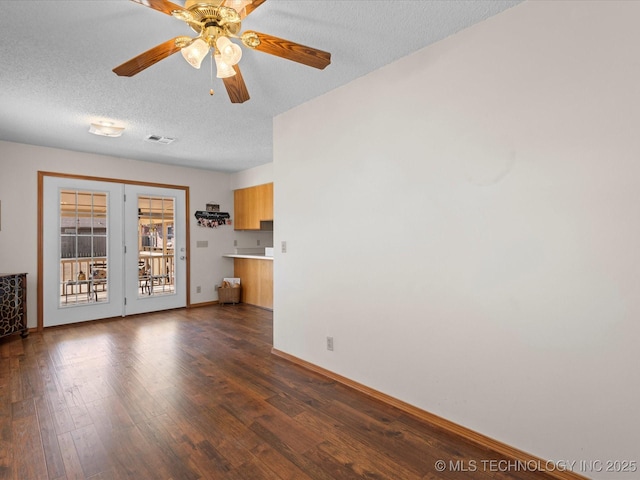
column 111, row 249
column 155, row 240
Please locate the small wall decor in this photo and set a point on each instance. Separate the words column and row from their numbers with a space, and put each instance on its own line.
column 212, row 219
column 213, row 207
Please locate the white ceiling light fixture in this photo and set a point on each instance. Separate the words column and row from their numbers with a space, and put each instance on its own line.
column 106, row 129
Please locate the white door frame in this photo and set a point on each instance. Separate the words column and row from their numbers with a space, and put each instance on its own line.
column 41, row 241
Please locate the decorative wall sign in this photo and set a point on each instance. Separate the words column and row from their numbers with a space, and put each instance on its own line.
column 212, row 219
column 213, row 207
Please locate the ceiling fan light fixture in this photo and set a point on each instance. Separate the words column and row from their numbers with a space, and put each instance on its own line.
column 223, row 70
column 230, row 52
column 216, row 23
column 105, row 129
column 195, row 53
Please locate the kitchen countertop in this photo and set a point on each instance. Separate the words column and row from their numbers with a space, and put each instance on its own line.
column 254, row 256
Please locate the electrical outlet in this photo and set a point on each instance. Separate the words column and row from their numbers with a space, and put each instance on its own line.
column 235, row 243
column 284, row 247
column 216, row 286
column 198, row 289
column 330, row 344
column 258, row 242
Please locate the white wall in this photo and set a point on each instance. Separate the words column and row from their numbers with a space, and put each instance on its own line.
column 253, row 176
column 465, row 225
column 19, row 165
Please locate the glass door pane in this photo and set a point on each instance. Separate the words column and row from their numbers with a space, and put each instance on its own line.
column 156, row 253
column 83, row 247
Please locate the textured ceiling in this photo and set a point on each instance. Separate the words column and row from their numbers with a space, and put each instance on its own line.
column 56, row 60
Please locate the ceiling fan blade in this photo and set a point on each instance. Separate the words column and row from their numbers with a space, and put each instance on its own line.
column 236, row 88
column 148, row 58
column 164, row 6
column 287, row 49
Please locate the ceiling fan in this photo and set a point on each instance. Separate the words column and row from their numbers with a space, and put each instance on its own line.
column 216, row 22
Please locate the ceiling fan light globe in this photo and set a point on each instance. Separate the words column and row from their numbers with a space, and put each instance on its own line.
column 235, row 56
column 230, row 52
column 195, row 53
column 223, row 70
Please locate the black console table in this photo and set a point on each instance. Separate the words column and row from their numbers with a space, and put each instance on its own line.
column 13, row 304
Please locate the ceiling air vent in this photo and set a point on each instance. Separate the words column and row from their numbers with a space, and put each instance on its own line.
column 159, row 139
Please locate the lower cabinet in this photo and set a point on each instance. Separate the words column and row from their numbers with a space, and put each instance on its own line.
column 256, row 278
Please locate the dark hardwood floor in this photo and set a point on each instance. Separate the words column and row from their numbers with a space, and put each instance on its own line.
column 190, row 394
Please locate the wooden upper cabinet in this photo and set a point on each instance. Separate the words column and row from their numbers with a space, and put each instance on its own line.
column 265, row 201
column 251, row 205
